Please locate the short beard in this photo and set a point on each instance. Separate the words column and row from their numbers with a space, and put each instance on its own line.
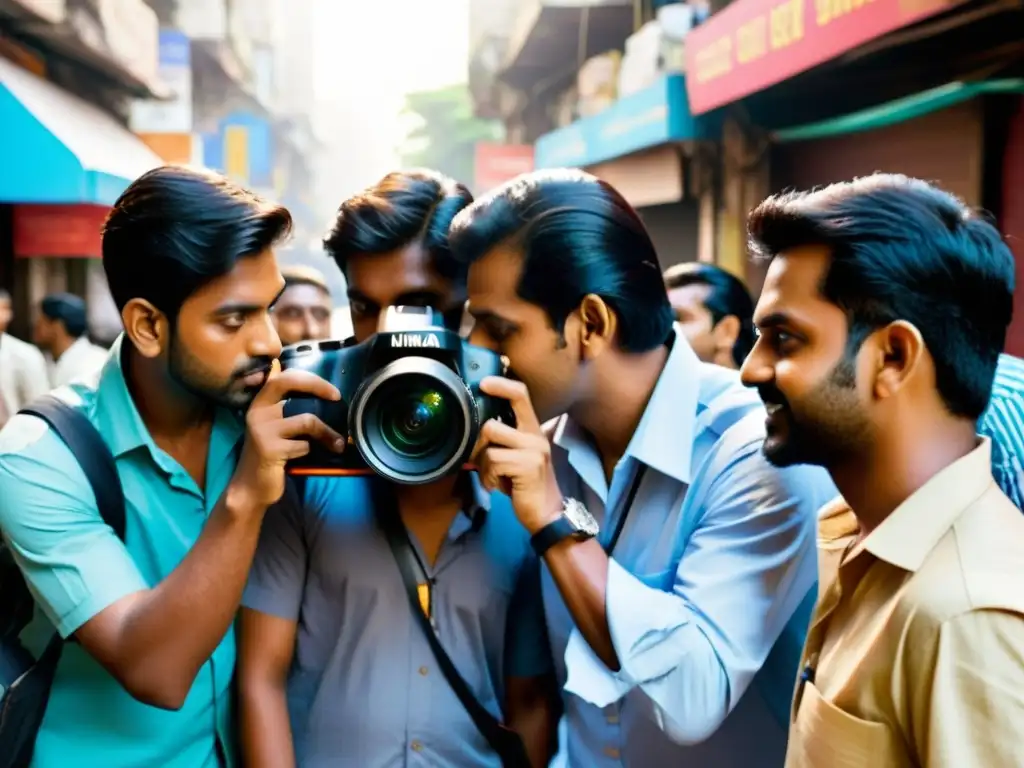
column 828, row 426
column 192, row 377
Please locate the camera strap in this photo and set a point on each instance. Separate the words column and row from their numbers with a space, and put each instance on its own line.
column 503, row 740
column 627, row 506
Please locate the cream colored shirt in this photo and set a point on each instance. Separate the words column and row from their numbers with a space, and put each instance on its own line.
column 23, row 374
column 80, row 360
column 915, row 656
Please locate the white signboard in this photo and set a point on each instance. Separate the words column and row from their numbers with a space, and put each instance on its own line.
column 132, row 32
column 175, row 71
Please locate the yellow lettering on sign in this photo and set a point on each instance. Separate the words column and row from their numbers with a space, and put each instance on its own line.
column 828, row 11
column 752, row 40
column 714, row 60
column 787, row 23
column 236, row 153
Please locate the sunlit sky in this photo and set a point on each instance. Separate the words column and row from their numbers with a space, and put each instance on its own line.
column 368, row 54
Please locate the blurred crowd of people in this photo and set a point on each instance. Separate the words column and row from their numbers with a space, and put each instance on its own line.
column 721, row 531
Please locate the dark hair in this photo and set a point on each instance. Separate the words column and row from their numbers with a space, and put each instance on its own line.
column 5, row 295
column 176, row 229
column 68, row 309
column 728, row 297
column 403, row 208
column 901, row 249
column 578, row 236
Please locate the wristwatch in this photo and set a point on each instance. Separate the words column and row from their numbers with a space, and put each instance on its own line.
column 575, row 522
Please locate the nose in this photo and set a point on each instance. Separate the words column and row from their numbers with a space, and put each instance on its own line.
column 309, row 326
column 756, row 369
column 265, row 342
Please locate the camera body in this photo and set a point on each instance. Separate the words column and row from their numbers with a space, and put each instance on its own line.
column 411, row 405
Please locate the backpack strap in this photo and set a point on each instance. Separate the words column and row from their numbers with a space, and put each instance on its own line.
column 90, row 450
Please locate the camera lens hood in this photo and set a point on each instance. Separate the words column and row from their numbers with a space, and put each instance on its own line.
column 376, row 394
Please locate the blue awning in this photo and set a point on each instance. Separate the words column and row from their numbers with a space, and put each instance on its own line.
column 56, row 148
column 656, row 115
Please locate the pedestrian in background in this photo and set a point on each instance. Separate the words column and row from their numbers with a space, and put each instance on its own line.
column 1003, row 423
column 23, row 375
column 61, row 331
column 303, row 311
column 714, row 310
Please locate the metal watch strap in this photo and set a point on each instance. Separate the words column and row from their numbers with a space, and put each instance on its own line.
column 561, row 529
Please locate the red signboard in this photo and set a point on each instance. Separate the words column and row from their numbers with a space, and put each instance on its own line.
column 753, row 44
column 65, row 231
column 498, row 163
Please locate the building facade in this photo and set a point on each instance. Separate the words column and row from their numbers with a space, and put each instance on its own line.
column 696, row 111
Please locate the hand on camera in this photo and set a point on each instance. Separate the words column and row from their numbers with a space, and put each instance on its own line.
column 271, row 440
column 517, row 460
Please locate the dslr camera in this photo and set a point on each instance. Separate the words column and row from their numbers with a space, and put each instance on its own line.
column 410, row 403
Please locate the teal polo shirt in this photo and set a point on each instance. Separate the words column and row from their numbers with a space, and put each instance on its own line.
column 76, row 567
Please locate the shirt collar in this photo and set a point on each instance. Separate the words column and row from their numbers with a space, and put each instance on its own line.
column 475, row 506
column 82, row 342
column 907, row 536
column 664, row 438
column 121, row 425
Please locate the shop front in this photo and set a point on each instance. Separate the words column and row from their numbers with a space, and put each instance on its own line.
column 644, row 146
column 825, row 91
column 65, row 163
column 1011, row 213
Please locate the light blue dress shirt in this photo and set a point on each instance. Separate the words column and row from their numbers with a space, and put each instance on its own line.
column 76, row 566
column 716, row 565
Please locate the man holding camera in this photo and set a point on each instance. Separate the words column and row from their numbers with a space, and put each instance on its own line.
column 190, row 263
column 675, row 554
column 336, row 665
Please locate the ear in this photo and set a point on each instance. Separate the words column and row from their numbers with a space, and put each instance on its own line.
column 598, row 325
column 725, row 333
column 901, row 350
column 146, row 327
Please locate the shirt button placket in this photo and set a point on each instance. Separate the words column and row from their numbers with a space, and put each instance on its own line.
column 612, row 716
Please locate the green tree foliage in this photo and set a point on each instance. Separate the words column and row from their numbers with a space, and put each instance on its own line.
column 444, row 132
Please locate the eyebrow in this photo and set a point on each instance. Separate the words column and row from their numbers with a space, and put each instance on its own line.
column 424, row 296
column 245, row 309
column 773, row 320
column 486, row 315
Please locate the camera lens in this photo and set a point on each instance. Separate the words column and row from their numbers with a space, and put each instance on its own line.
column 417, row 422
column 413, row 420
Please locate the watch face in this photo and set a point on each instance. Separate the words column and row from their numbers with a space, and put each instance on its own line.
column 580, row 517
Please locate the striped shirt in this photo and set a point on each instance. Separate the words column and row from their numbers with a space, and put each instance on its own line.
column 1003, row 422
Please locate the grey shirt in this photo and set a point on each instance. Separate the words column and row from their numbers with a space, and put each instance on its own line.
column 364, row 689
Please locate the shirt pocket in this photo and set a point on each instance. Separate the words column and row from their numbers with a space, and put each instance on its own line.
column 824, row 736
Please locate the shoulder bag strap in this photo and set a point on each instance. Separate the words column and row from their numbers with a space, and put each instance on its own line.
column 91, row 452
column 503, row 740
